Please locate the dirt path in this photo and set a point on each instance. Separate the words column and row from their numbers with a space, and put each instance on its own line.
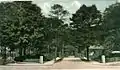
column 76, row 63
column 66, row 64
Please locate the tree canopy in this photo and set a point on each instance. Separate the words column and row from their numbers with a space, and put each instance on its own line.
column 111, row 27
column 85, row 25
column 86, row 22
column 21, row 24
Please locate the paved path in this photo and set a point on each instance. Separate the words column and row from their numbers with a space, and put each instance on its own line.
column 68, row 63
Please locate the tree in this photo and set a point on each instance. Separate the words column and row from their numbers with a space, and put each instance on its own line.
column 55, row 27
column 21, row 25
column 57, row 11
column 112, row 27
column 51, row 33
column 85, row 25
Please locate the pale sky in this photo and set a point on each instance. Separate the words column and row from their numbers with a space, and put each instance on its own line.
column 73, row 5
column 70, row 5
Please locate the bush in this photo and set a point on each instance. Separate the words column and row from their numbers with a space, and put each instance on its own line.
column 48, row 57
column 20, row 58
column 1, row 61
column 32, row 60
column 31, row 56
column 112, row 59
column 97, row 59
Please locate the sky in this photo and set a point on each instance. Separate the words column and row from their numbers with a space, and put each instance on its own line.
column 71, row 5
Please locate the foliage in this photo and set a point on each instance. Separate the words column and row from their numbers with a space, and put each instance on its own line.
column 58, row 11
column 112, row 28
column 55, row 27
column 86, row 23
column 21, row 24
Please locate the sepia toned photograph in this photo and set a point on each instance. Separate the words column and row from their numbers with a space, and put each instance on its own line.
column 59, row 34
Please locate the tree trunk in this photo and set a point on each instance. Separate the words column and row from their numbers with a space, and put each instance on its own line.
column 24, row 51
column 48, row 49
column 62, row 51
column 87, row 53
column 11, row 53
column 20, row 51
column 55, row 53
column 4, row 56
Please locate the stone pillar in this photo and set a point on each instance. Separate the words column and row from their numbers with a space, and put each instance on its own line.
column 103, row 58
column 41, row 60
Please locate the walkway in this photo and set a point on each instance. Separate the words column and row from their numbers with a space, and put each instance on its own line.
column 66, row 64
column 76, row 63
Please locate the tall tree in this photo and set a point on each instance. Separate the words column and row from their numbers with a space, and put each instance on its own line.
column 57, row 17
column 58, row 11
column 86, row 22
column 111, row 27
column 21, row 24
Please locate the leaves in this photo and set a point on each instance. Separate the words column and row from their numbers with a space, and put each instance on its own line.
column 58, row 11
column 21, row 23
column 83, row 21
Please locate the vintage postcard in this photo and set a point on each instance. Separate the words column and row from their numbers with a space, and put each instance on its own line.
column 59, row 34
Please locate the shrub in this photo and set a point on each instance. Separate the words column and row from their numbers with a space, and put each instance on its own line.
column 48, row 57
column 112, row 59
column 20, row 58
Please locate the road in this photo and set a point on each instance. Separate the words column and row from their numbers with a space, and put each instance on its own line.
column 65, row 64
